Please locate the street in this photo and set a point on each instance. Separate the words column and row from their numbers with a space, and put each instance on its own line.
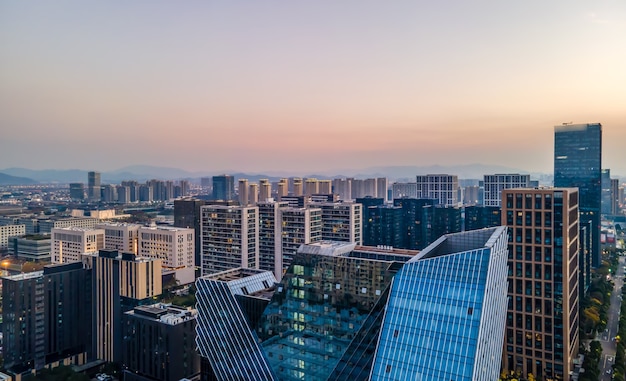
column 606, row 338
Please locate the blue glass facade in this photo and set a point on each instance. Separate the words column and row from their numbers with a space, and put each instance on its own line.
column 446, row 312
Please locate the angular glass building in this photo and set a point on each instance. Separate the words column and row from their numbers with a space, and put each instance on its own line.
column 446, row 311
column 578, row 164
column 339, row 309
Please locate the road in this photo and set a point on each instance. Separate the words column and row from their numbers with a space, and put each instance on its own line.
column 606, row 338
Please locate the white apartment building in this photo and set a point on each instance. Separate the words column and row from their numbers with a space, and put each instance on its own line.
column 494, row 184
column 229, row 237
column 298, row 226
column 7, row 231
column 441, row 187
column 69, row 244
column 341, row 221
column 174, row 246
column 122, row 237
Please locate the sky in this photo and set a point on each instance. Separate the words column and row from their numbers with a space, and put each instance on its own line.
column 307, row 85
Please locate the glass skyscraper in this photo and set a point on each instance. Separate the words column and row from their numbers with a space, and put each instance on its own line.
column 339, row 310
column 578, row 163
column 446, row 312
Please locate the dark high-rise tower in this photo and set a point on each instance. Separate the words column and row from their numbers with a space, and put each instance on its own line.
column 578, row 163
column 93, row 186
column 223, row 187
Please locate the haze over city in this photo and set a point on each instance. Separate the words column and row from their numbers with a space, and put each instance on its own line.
column 278, row 85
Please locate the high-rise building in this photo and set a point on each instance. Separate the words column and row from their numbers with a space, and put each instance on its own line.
column 381, row 188
column 69, row 244
column 223, row 187
column 93, row 186
column 242, row 192
column 120, row 283
column 447, row 325
column 123, row 194
column 442, row 188
column 615, row 202
column 480, row 217
column 253, row 194
column 187, row 215
column 343, row 188
column 494, row 184
column 270, row 233
column 230, row 237
column 330, row 319
column 341, row 221
column 77, row 191
column 542, row 318
column 578, row 164
column 606, row 203
column 311, row 187
column 159, row 343
column 47, row 318
column 299, row 226
column 265, row 189
column 174, row 246
column 325, row 187
column 404, row 190
column 385, row 226
column 282, row 189
column 297, row 187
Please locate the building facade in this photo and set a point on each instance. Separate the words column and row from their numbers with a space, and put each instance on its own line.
column 223, row 187
column 443, row 188
column 542, row 335
column 230, row 237
column 175, row 247
column 120, row 236
column 69, row 244
column 494, row 184
column 8, row 231
column 578, row 164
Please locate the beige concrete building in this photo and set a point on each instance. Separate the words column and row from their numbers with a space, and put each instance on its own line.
column 243, row 192
column 175, row 247
column 542, row 318
column 265, row 189
column 69, row 244
column 7, row 231
column 122, row 237
column 253, row 194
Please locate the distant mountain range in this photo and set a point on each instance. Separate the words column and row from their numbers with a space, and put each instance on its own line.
column 142, row 173
column 15, row 180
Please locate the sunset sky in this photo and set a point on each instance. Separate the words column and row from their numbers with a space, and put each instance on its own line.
column 307, row 85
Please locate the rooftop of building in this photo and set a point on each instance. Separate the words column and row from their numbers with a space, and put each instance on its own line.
column 119, row 224
column 164, row 313
column 36, row 237
column 77, row 229
column 461, row 242
column 165, row 228
column 234, row 274
column 24, row 276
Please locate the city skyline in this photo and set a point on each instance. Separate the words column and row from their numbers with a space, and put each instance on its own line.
column 289, row 86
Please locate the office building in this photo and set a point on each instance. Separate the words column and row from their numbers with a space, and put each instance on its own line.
column 578, row 164
column 270, row 233
column 472, row 195
column 226, row 321
column 242, row 192
column 542, row 317
column 230, row 237
column 174, row 246
column 205, row 183
column 187, row 215
column 120, row 283
column 384, row 227
column 330, row 319
column 93, row 186
column 159, row 343
column 32, row 247
column 120, row 236
column 442, row 188
column 223, row 187
column 8, row 231
column 494, row 184
column 480, row 217
column 404, row 190
column 46, row 226
column 42, row 313
column 447, row 325
column 69, row 244
column 615, row 200
column 77, row 191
